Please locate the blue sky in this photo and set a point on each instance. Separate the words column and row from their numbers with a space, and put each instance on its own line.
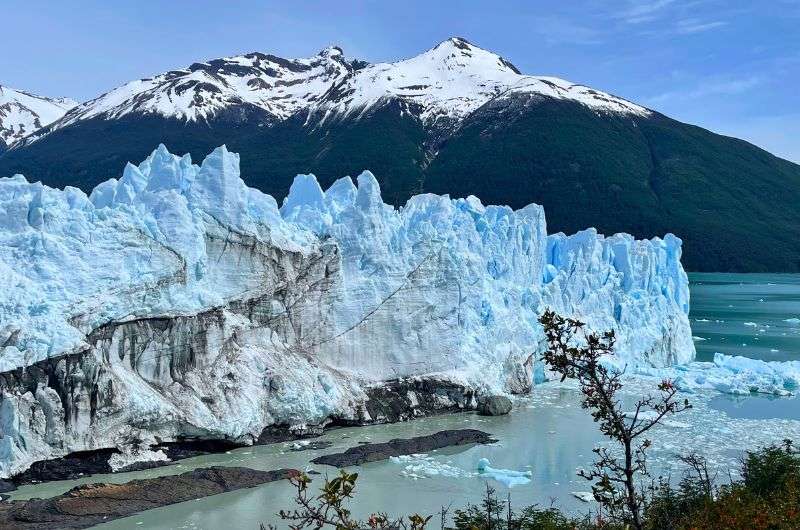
column 730, row 66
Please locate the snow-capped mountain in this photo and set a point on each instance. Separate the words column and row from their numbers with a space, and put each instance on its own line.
column 449, row 81
column 279, row 87
column 456, row 119
column 22, row 113
column 454, row 79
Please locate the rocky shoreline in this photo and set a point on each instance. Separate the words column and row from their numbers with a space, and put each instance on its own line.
column 92, row 504
column 404, row 446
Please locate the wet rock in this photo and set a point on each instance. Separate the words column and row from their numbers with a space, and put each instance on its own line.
column 404, row 446
column 6, row 486
column 69, row 467
column 82, row 463
column 493, row 405
column 408, row 398
column 91, row 504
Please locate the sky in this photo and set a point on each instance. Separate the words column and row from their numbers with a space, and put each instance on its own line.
column 731, row 66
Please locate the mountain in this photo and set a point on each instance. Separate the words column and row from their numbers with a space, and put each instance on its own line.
column 455, row 119
column 179, row 304
column 22, row 113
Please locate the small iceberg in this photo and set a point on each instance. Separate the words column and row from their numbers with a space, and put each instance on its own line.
column 750, row 324
column 418, row 466
column 698, row 339
column 507, row 477
column 585, row 496
column 733, row 374
column 792, row 320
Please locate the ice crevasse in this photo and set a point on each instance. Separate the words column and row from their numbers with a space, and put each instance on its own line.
column 178, row 302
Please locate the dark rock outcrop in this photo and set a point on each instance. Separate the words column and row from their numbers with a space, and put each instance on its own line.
column 91, row 504
column 404, row 446
column 494, row 405
column 414, row 397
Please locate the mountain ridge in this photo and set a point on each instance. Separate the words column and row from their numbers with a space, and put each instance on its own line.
column 455, row 119
column 331, row 84
column 23, row 113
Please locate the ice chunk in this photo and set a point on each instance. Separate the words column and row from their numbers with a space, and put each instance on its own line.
column 733, row 374
column 131, row 455
column 417, row 466
column 509, row 478
column 585, row 496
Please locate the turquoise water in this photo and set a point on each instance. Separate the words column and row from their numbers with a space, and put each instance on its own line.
column 745, row 314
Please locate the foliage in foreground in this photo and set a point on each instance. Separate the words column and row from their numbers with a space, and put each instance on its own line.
column 574, row 353
column 767, row 497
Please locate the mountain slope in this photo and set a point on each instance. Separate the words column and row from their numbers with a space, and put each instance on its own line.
column 22, row 113
column 734, row 204
column 455, row 119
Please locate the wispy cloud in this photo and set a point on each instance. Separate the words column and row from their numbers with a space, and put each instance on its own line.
column 641, row 11
column 562, row 30
column 693, row 25
column 714, row 87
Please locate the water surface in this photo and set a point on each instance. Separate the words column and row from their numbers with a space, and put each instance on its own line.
column 746, row 314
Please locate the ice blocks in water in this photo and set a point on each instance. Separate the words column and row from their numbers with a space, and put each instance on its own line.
column 509, row 478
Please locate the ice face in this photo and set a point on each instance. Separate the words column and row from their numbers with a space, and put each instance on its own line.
column 179, row 276
column 436, row 285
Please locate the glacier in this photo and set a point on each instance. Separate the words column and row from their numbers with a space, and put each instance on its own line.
column 177, row 303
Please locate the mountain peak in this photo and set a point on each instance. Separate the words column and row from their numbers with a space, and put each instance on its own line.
column 331, row 51
column 23, row 113
column 446, row 82
column 457, row 42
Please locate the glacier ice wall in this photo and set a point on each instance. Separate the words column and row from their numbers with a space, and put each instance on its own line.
column 178, row 302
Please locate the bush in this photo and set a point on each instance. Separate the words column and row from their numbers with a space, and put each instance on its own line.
column 494, row 514
column 771, row 469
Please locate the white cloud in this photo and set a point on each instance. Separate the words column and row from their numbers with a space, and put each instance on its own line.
column 641, row 11
column 560, row 30
column 713, row 87
column 696, row 26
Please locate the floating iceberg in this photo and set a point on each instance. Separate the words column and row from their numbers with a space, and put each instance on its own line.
column 585, row 496
column 178, row 302
column 417, row 466
column 507, row 477
column 733, row 374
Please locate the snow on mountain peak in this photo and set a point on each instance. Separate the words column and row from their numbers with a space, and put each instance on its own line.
column 22, row 113
column 447, row 82
column 278, row 87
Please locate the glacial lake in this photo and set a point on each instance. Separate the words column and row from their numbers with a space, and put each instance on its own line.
column 746, row 314
column 547, row 433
